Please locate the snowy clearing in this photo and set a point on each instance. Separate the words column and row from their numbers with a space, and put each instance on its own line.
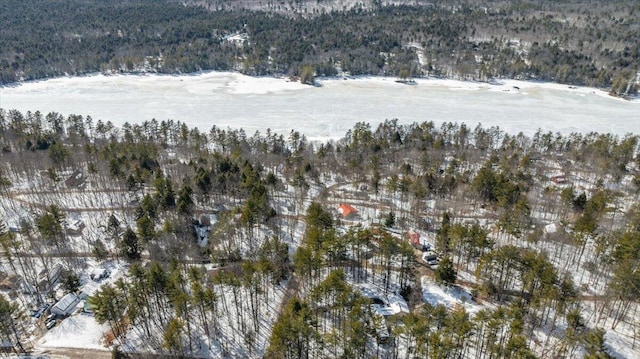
column 435, row 294
column 77, row 331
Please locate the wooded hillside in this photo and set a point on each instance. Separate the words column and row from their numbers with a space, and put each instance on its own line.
column 577, row 42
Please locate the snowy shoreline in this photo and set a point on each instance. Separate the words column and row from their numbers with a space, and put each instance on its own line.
column 503, row 85
column 266, row 84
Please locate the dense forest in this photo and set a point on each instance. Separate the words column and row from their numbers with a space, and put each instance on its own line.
column 395, row 241
column 577, row 42
column 539, row 237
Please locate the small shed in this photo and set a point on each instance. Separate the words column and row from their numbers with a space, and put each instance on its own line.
column 414, row 237
column 66, row 306
column 347, row 211
column 87, row 307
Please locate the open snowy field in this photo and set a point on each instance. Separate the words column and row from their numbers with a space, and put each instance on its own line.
column 328, row 111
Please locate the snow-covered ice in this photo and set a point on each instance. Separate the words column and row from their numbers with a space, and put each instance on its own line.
column 256, row 103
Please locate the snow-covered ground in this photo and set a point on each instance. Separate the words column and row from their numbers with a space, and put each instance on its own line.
column 450, row 297
column 81, row 330
column 77, row 331
column 328, row 111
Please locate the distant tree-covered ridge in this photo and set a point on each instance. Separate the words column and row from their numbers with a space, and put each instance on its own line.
column 577, row 42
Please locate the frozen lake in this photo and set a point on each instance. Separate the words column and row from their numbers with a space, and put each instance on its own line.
column 327, row 111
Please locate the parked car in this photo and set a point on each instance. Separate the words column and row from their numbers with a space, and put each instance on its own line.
column 424, row 247
column 51, row 324
column 36, row 313
column 431, row 258
column 376, row 300
column 99, row 274
column 51, row 317
column 419, row 246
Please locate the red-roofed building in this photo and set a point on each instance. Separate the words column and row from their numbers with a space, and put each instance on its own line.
column 347, row 211
column 414, row 237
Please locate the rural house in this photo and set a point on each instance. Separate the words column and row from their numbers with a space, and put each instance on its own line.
column 66, row 306
column 347, row 211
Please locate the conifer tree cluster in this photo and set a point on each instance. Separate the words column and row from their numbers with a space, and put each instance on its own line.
column 287, row 274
